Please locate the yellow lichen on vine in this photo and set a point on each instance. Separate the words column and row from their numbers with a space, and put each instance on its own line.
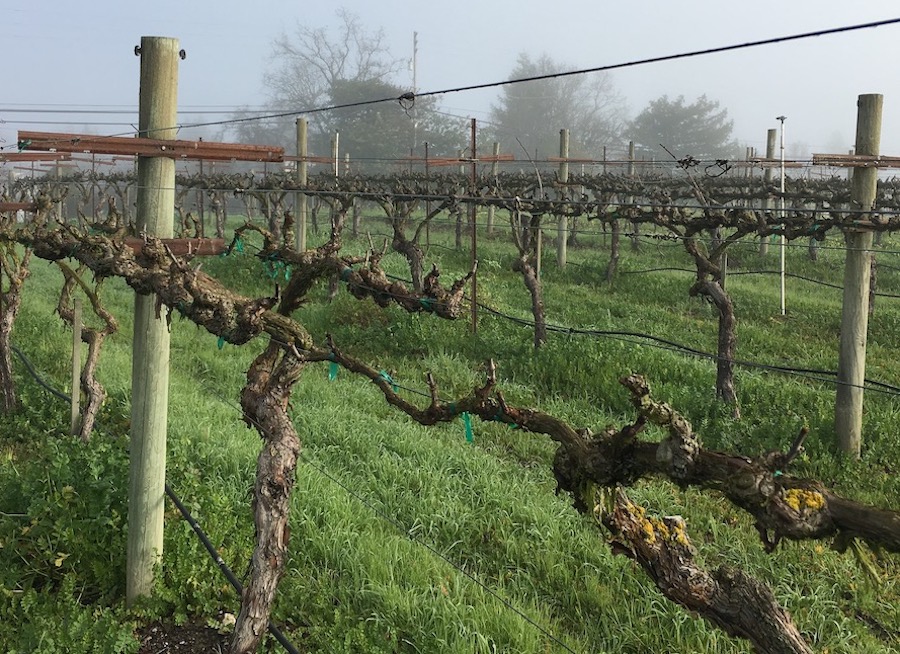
column 799, row 500
column 679, row 536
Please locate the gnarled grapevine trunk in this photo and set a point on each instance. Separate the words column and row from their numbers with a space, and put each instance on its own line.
column 15, row 270
column 265, row 402
column 526, row 243
column 709, row 285
column 727, row 340
column 613, row 266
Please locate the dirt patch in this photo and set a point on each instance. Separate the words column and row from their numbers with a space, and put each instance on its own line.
column 162, row 638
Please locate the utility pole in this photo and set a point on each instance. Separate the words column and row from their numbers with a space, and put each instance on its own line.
column 562, row 229
column 302, row 173
column 857, row 279
column 150, row 368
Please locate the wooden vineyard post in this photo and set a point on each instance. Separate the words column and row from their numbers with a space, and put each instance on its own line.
column 150, row 365
column 562, row 227
column 771, row 136
column 857, row 277
column 76, row 367
column 302, row 168
column 495, row 164
column 635, row 229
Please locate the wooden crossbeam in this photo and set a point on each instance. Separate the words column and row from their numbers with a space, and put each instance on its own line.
column 856, row 161
column 17, row 206
column 128, row 146
column 184, row 246
column 34, row 156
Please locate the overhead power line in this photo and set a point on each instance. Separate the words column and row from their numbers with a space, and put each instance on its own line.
column 581, row 71
column 410, row 97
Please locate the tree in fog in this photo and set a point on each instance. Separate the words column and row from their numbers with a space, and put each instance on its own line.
column 320, row 67
column 701, row 130
column 530, row 114
column 384, row 131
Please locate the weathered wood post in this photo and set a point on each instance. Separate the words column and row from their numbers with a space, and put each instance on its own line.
column 635, row 226
column 771, row 136
column 302, row 173
column 495, row 165
column 857, row 272
column 76, row 367
column 562, row 228
column 150, row 365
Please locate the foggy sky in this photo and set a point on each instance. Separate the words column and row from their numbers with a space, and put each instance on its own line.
column 70, row 53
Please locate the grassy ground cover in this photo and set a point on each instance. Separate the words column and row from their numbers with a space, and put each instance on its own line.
column 407, row 539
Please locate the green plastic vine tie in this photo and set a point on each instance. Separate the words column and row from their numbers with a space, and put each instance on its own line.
column 221, row 342
column 452, row 408
column 239, row 245
column 287, row 273
column 332, row 371
column 390, row 380
column 23, row 144
column 777, row 473
column 467, row 421
column 345, row 274
column 427, row 303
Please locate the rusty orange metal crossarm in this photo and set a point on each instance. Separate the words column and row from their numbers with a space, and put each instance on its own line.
column 175, row 149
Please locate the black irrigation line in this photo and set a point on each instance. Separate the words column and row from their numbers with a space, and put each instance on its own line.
column 664, row 344
column 731, row 273
column 56, row 393
column 186, row 514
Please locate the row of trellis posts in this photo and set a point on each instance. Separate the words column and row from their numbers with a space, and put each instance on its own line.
column 155, row 211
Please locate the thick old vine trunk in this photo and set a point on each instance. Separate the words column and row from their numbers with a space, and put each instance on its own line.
column 265, row 402
column 14, row 272
column 526, row 242
column 533, row 284
column 709, row 285
column 613, row 266
column 727, row 340
column 91, row 389
column 414, row 256
column 727, row 597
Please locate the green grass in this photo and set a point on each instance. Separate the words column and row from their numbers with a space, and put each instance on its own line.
column 393, row 523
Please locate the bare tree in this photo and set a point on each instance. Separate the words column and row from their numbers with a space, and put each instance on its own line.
column 309, row 62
